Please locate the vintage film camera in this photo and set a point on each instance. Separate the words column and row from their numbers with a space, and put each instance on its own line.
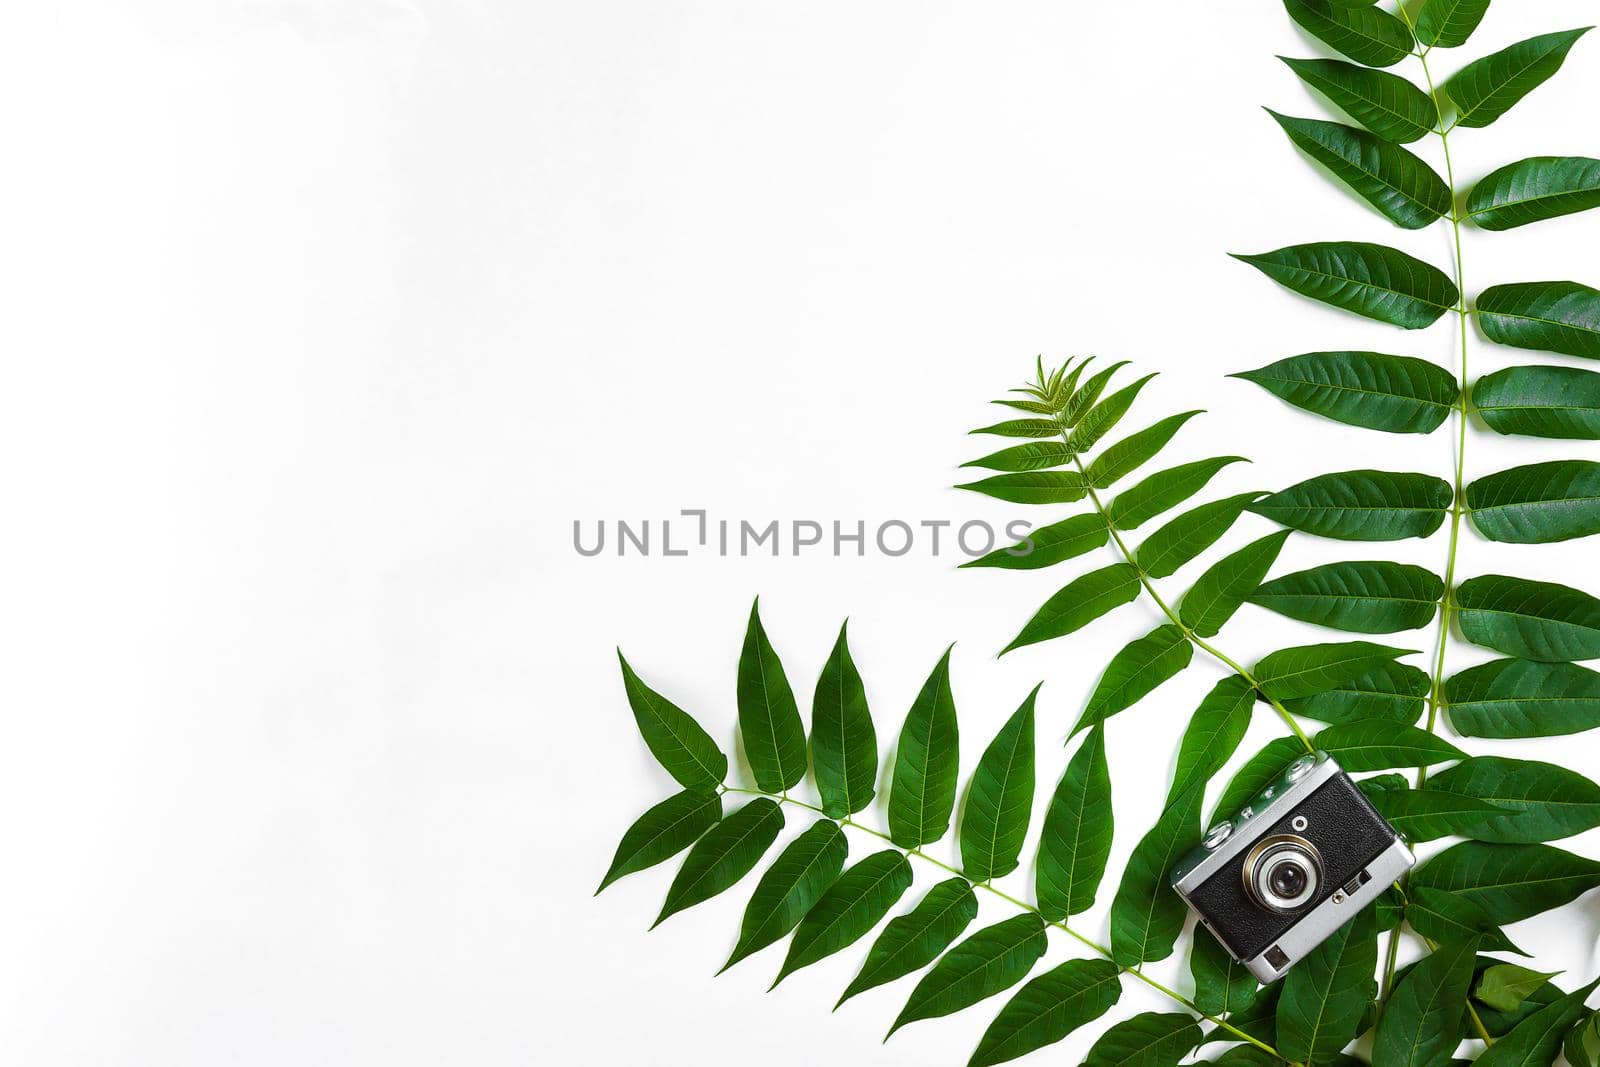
column 1291, row 867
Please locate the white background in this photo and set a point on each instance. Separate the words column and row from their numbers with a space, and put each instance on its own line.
column 325, row 321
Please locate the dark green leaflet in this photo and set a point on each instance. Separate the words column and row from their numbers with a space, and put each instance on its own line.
column 1506, row 986
column 1447, row 918
column 724, row 855
column 1397, row 394
column 912, row 941
column 1521, row 698
column 1183, row 538
column 1325, row 994
column 1367, row 35
column 852, row 906
column 663, row 832
column 1368, row 279
column 1257, row 771
column 1537, row 1039
column 1560, row 402
column 1151, row 1039
column 1146, row 914
column 1049, row 1008
column 1135, row 450
column 1076, row 839
column 844, row 746
column 1429, row 814
column 923, row 792
column 1306, row 669
column 678, row 743
column 769, row 721
column 1386, row 104
column 1049, row 545
column 1221, row 984
column 1165, row 489
column 1582, row 1046
column 1489, row 87
column 1532, row 190
column 1539, row 503
column 1033, row 456
column 1258, row 1019
column 1035, row 487
column 1378, row 744
column 1363, row 597
column 1213, row 734
column 1219, row 592
column 989, row 961
column 1559, row 317
column 1534, row 620
column 1403, row 188
column 1448, row 23
column 1393, row 691
column 1537, row 801
column 1362, row 505
column 1103, row 416
column 1079, row 603
column 1509, row 882
column 790, row 887
column 1136, row 671
column 1419, row 1024
column 994, row 821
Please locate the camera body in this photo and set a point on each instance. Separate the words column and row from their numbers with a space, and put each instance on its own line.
column 1291, row 867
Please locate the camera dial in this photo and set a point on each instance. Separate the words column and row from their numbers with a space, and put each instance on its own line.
column 1282, row 873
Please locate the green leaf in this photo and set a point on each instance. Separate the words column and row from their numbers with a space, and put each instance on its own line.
column 1499, row 1023
column 1084, row 399
column 1532, row 190
column 1049, row 1008
column 1448, row 23
column 1582, row 1046
column 1033, row 456
column 1446, row 918
column 1150, row 1039
column 1049, row 545
column 923, row 792
column 1212, row 600
column 994, row 821
column 1559, row 317
column 1361, row 505
column 1034, row 487
column 1079, row 603
column 1134, row 672
column 1076, row 840
column 1135, row 450
column 1397, row 394
column 989, row 961
column 851, row 906
column 677, row 742
column 1489, row 87
column 1103, row 416
column 769, row 721
column 1419, row 1023
column 1368, row 279
column 1403, row 188
column 1362, row 597
column 1258, row 1019
column 844, row 746
column 1183, row 538
column 1039, row 428
column 1378, row 744
column 1560, row 402
column 1146, row 914
column 1534, row 620
column 1536, row 801
column 1367, row 35
column 1505, row 985
column 1386, row 104
column 1536, row 1041
column 791, row 887
column 663, row 832
column 1166, row 489
column 1258, row 771
column 723, row 856
column 1429, row 814
column 1509, row 882
column 1222, row 986
column 1520, row 698
column 1393, row 691
column 1306, row 669
column 912, row 941
column 1539, row 503
column 1325, row 994
column 1213, row 734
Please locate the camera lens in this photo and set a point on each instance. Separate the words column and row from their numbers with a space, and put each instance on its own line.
column 1282, row 873
column 1288, row 879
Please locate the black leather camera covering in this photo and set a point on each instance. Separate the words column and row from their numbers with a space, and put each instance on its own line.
column 1349, row 834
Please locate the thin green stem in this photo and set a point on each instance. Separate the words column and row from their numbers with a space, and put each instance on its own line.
column 1017, row 902
column 1172, row 616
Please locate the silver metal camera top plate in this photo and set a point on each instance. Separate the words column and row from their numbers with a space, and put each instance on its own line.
column 1250, row 822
